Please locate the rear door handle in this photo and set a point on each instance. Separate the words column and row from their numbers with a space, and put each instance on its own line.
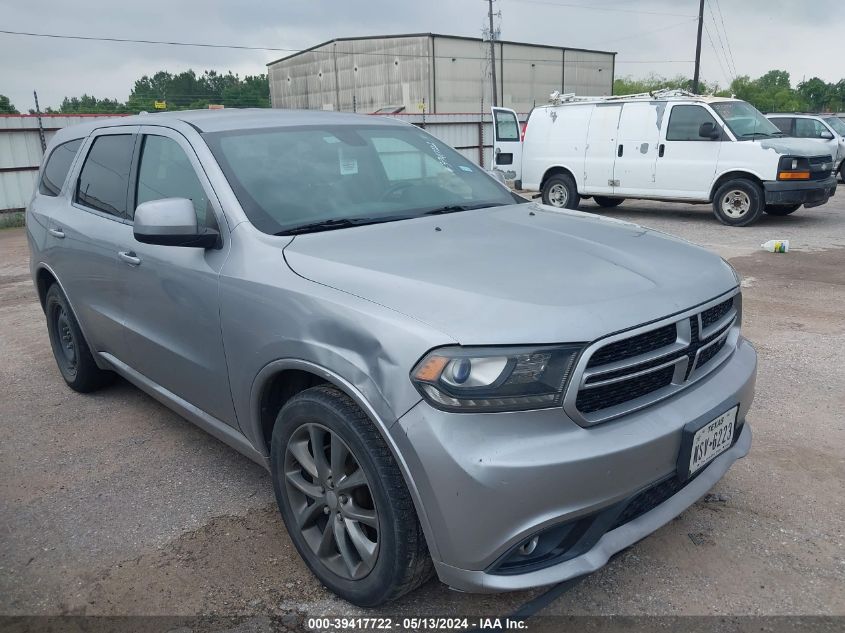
column 56, row 233
column 661, row 150
column 129, row 257
column 620, row 150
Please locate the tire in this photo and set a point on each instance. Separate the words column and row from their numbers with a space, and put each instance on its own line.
column 842, row 171
column 738, row 202
column 784, row 209
column 71, row 351
column 392, row 557
column 560, row 191
column 608, row 203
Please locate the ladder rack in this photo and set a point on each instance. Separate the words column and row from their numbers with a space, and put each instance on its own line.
column 556, row 98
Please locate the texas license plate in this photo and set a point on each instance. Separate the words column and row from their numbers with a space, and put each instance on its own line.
column 710, row 441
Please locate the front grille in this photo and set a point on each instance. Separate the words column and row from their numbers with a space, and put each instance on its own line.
column 652, row 362
column 635, row 346
column 817, row 172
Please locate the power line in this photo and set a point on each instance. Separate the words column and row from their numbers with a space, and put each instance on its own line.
column 721, row 43
column 563, row 5
column 718, row 59
column 725, row 31
column 297, row 50
column 644, row 33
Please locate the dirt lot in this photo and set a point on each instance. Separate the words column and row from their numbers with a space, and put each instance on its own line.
column 111, row 504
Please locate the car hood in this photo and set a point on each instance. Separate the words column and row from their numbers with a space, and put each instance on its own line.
column 796, row 146
column 519, row 274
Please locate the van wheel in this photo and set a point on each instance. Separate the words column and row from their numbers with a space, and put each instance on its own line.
column 608, row 203
column 344, row 500
column 560, row 191
column 738, row 202
column 72, row 354
column 773, row 209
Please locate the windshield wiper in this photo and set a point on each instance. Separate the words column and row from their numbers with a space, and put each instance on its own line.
column 766, row 134
column 329, row 225
column 455, row 208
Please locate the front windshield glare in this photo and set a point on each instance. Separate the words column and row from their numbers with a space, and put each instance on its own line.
column 745, row 121
column 291, row 178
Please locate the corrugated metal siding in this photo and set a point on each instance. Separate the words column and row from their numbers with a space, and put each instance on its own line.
column 20, row 150
column 452, row 74
column 588, row 74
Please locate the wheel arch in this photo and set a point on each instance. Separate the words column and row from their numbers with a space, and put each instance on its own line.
column 558, row 169
column 269, row 390
column 733, row 175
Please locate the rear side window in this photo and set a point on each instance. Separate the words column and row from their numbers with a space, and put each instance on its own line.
column 507, row 127
column 783, row 124
column 104, row 178
column 685, row 121
column 166, row 172
column 57, row 167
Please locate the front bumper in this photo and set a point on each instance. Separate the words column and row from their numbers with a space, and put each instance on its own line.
column 810, row 193
column 488, row 482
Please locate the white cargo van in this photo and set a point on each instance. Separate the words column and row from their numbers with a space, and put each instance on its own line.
column 662, row 146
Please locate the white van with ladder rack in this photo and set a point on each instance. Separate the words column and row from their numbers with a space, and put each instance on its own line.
column 663, row 145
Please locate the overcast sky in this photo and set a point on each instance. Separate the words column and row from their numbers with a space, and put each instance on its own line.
column 761, row 34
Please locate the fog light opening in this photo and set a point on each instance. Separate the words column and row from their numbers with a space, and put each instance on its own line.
column 528, row 547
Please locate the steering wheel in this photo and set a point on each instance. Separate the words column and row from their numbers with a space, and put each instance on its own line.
column 393, row 190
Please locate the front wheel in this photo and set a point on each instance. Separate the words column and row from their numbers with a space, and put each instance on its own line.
column 608, row 203
column 782, row 209
column 560, row 191
column 344, row 500
column 738, row 202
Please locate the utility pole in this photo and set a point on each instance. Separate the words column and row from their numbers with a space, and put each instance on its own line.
column 698, row 47
column 493, row 53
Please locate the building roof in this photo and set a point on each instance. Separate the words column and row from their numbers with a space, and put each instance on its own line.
column 453, row 37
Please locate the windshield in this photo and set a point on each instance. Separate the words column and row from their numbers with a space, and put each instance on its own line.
column 745, row 121
column 837, row 124
column 298, row 179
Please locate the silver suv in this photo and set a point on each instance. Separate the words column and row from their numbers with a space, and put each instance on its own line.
column 440, row 376
column 827, row 129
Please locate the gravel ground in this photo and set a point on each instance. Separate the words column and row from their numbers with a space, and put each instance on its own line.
column 111, row 504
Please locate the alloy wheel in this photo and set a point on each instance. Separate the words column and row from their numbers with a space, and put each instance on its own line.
column 331, row 501
column 736, row 203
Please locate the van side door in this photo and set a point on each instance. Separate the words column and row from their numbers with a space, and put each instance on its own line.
column 687, row 160
column 601, row 149
column 636, row 156
column 507, row 143
column 173, row 333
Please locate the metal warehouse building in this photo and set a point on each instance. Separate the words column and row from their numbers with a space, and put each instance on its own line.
column 448, row 74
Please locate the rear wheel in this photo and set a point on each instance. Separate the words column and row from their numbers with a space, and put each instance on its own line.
column 782, row 209
column 842, row 171
column 560, row 191
column 73, row 356
column 344, row 501
column 738, row 202
column 608, row 202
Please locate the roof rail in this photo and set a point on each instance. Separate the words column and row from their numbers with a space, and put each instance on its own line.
column 556, row 98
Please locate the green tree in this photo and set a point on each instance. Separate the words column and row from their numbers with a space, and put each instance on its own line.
column 6, row 106
column 629, row 85
column 818, row 94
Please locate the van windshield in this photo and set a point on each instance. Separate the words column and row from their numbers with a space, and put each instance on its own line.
column 303, row 179
column 745, row 121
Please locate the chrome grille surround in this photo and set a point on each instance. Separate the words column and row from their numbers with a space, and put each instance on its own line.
column 691, row 355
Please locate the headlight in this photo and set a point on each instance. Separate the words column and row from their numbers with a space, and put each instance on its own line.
column 495, row 378
column 791, row 168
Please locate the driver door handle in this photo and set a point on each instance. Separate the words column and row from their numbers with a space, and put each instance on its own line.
column 56, row 233
column 129, row 257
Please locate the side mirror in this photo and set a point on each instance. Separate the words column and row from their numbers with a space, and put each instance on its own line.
column 708, row 130
column 826, row 136
column 172, row 222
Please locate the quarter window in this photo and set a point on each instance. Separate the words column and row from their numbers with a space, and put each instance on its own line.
column 685, row 121
column 166, row 172
column 57, row 167
column 104, row 179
